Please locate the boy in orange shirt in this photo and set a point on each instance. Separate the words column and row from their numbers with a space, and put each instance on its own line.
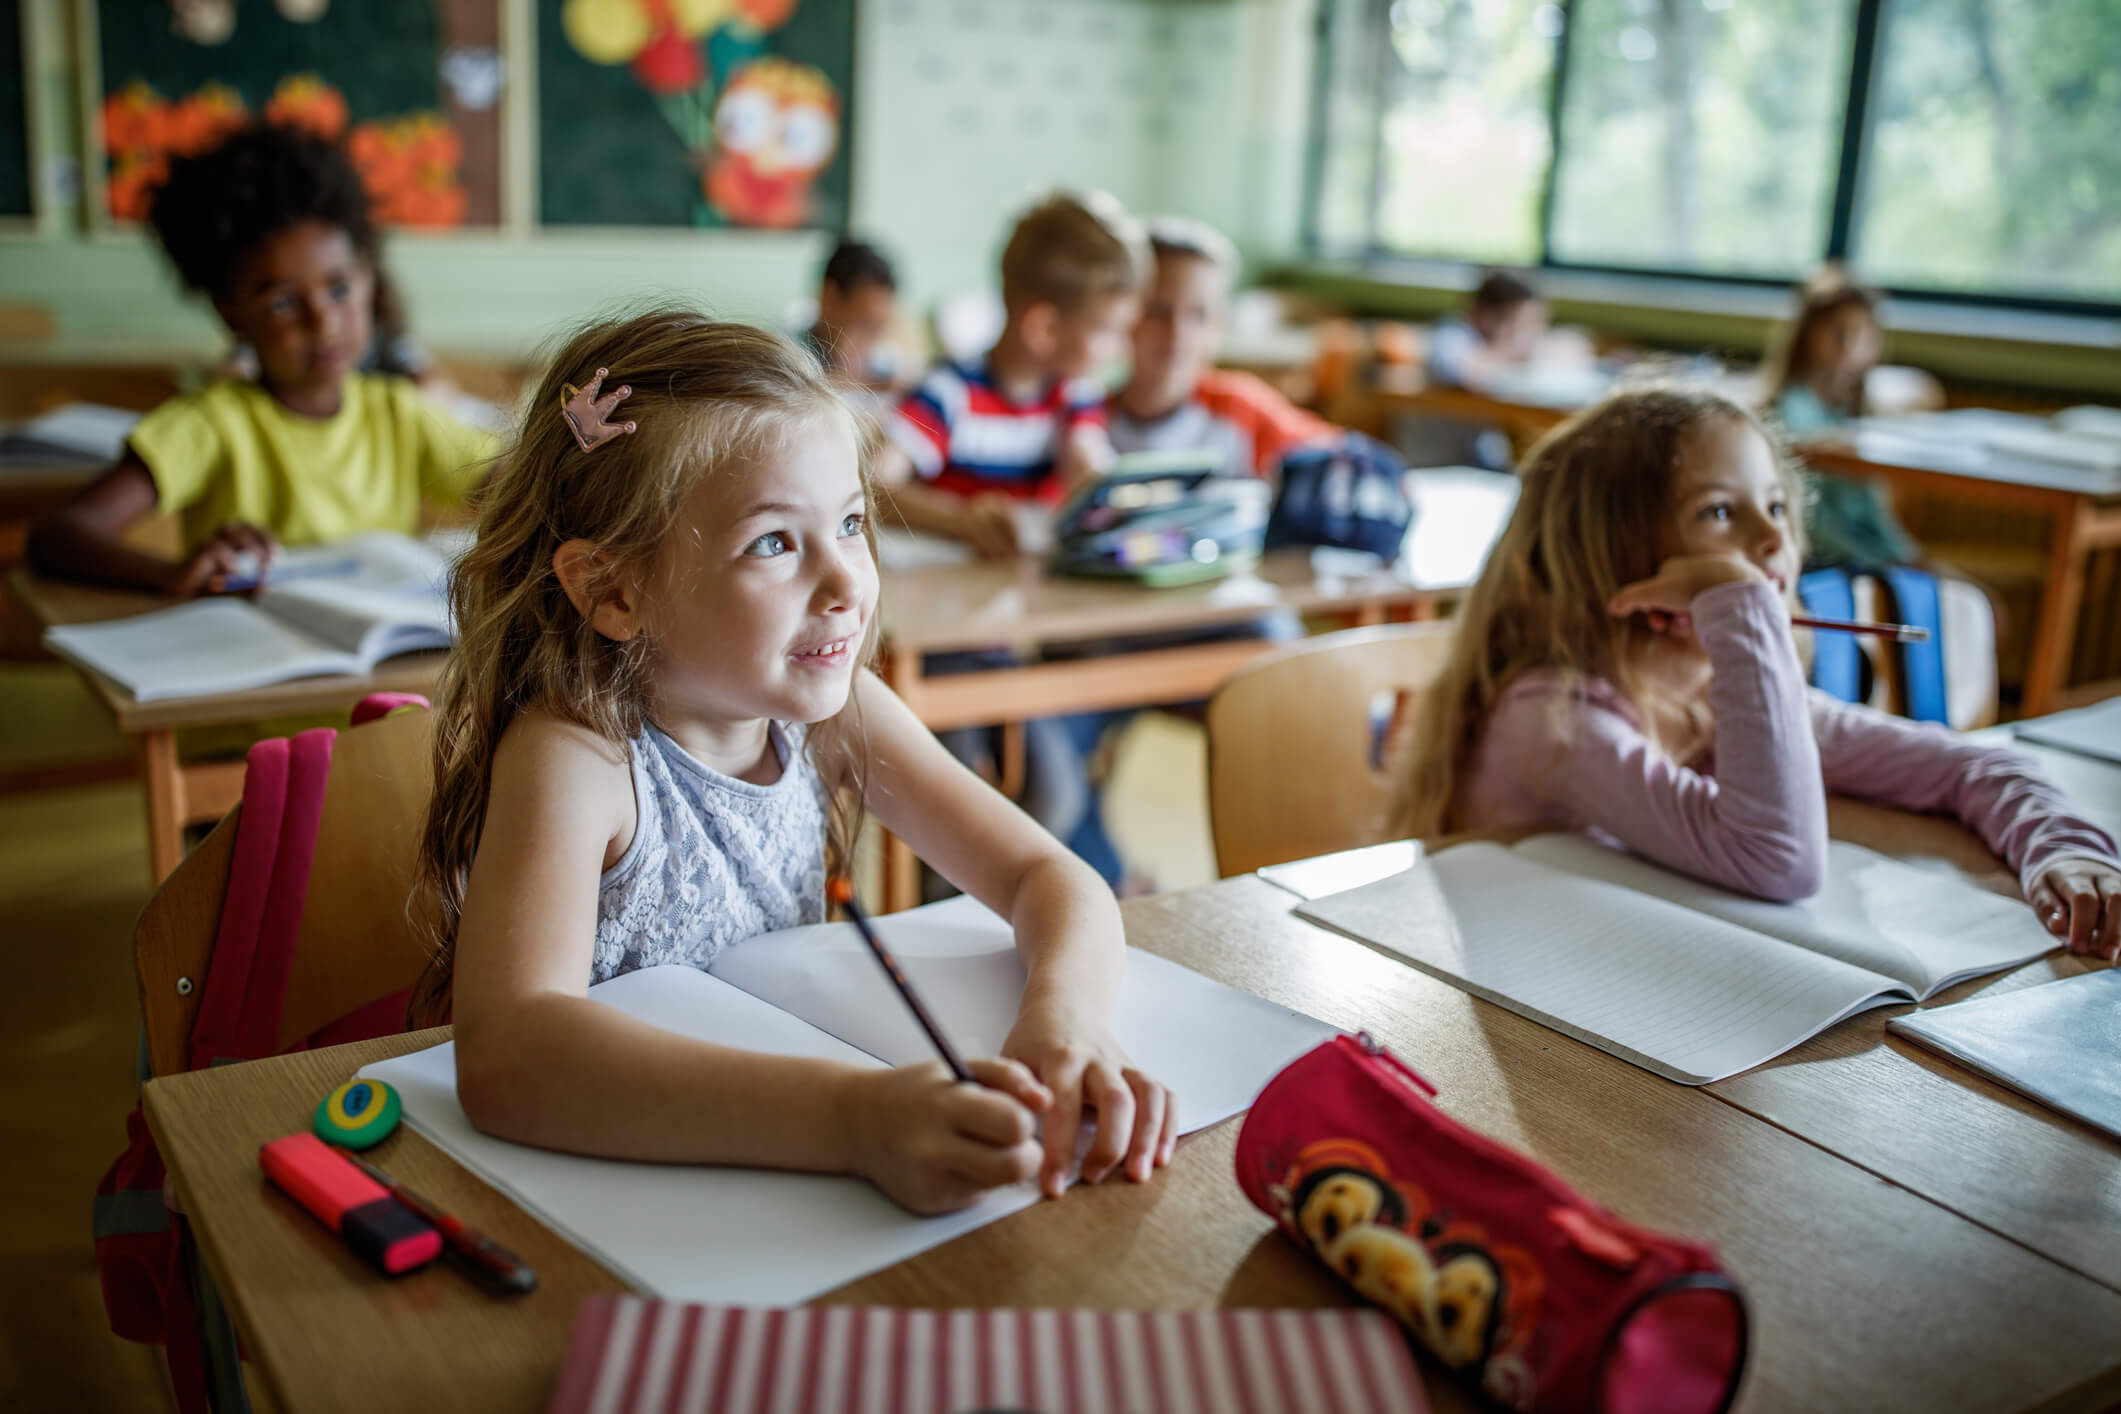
column 1176, row 399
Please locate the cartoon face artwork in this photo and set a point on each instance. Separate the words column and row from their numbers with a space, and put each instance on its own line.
column 1466, row 1303
column 1389, row 1269
column 1334, row 1200
column 776, row 127
column 1383, row 1237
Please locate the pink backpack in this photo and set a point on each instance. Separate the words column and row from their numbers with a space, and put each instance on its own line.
column 143, row 1250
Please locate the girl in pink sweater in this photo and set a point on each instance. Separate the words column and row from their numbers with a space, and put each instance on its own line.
column 1626, row 665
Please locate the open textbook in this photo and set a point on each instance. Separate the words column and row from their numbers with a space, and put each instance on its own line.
column 321, row 610
column 769, row 1237
column 1678, row 976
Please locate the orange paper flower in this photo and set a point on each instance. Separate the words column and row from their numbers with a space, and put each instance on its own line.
column 306, row 102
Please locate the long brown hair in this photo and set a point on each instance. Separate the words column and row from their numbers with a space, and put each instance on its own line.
column 1789, row 359
column 1594, row 513
column 707, row 395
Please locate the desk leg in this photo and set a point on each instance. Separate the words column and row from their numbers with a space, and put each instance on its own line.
column 902, row 870
column 2061, row 596
column 165, row 803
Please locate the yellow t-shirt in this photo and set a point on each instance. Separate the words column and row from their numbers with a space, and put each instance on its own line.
column 232, row 452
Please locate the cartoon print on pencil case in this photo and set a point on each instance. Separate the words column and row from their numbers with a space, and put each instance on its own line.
column 1469, row 1301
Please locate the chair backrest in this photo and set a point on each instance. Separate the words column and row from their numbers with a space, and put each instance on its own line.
column 357, row 941
column 1291, row 738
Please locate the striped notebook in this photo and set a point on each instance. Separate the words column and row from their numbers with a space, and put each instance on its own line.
column 632, row 1356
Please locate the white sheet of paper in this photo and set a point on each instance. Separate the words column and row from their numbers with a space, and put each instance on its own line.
column 1214, row 1046
column 771, row 1238
column 692, row 1233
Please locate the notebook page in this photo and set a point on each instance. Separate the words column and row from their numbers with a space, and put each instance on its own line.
column 689, row 1232
column 1214, row 1046
column 1921, row 927
column 196, row 649
column 2088, row 731
column 1687, row 996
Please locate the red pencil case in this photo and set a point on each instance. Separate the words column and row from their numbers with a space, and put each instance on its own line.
column 1546, row 1300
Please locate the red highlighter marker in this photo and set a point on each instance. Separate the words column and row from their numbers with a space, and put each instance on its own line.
column 381, row 1230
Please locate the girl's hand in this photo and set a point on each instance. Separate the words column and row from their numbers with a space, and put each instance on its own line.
column 935, row 1144
column 1078, row 1060
column 2080, row 901
column 209, row 568
column 1666, row 598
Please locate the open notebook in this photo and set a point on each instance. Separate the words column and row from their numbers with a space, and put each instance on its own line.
column 766, row 1237
column 1678, row 976
column 323, row 609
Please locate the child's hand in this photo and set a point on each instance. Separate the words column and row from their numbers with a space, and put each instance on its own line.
column 987, row 522
column 934, row 1144
column 1666, row 598
column 211, row 567
column 2079, row 900
column 1136, row 1116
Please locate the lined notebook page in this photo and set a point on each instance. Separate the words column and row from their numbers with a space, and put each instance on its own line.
column 1921, row 927
column 1687, row 996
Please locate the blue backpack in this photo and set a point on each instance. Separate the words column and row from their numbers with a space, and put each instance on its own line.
column 1350, row 494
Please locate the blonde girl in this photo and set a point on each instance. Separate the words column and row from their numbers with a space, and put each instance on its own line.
column 655, row 722
column 1626, row 666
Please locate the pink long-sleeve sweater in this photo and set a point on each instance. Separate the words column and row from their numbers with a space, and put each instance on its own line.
column 1754, row 820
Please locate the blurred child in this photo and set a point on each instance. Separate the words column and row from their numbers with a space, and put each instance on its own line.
column 1626, row 665
column 1501, row 330
column 857, row 302
column 1175, row 398
column 654, row 732
column 1025, row 423
column 1815, row 383
column 977, row 443
column 274, row 227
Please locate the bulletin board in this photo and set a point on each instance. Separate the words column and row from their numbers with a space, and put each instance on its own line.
column 17, row 196
column 694, row 113
column 414, row 87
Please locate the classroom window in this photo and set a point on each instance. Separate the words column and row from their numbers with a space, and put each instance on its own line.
column 1995, row 154
column 1961, row 147
column 1700, row 134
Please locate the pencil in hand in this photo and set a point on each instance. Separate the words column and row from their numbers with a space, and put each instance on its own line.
column 841, row 891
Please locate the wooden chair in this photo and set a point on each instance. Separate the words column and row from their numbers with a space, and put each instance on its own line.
column 357, row 941
column 1290, row 743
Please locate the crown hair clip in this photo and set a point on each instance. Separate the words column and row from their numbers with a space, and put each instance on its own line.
column 586, row 412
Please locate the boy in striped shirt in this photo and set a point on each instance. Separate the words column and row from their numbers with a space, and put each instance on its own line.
column 1025, row 422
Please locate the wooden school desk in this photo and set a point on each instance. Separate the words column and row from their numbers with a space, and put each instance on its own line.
column 1866, row 1294
column 2083, row 508
column 1019, row 604
column 178, row 794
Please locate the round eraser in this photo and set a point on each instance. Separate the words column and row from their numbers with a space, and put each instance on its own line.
column 359, row 1114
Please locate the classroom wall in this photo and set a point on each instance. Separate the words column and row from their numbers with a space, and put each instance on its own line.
column 965, row 109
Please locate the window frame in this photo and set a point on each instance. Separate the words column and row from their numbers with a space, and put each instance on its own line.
column 1843, row 224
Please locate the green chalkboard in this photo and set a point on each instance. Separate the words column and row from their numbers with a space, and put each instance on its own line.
column 370, row 71
column 14, row 116
column 713, row 113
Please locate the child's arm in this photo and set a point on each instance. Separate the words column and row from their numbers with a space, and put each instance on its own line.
column 1759, row 823
column 2067, row 865
column 1067, row 930
column 539, row 1063
column 83, row 538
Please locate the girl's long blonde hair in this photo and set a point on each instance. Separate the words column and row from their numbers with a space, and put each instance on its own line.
column 1594, row 513
column 707, row 395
